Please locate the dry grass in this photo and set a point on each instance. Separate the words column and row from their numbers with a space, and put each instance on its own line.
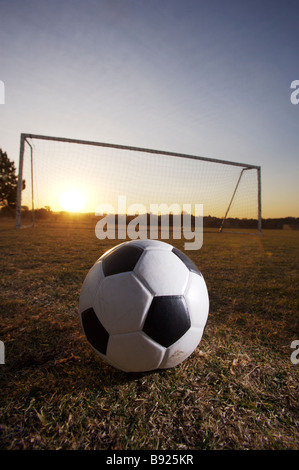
column 238, row 390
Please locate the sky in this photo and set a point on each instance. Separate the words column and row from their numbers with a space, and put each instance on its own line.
column 210, row 78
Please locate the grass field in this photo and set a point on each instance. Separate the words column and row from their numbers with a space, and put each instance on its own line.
column 238, row 390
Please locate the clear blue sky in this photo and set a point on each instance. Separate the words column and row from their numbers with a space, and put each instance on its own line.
column 204, row 77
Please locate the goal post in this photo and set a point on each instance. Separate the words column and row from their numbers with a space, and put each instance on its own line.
column 229, row 191
column 259, row 201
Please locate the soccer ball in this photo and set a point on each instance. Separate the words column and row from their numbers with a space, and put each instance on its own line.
column 143, row 306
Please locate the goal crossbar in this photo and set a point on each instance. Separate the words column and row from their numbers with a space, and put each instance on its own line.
column 137, row 149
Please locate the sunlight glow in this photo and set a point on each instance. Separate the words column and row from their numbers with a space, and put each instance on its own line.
column 72, row 200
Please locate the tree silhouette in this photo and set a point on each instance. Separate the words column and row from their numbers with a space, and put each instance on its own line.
column 8, row 181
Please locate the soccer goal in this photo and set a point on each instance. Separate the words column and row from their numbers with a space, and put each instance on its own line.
column 70, row 175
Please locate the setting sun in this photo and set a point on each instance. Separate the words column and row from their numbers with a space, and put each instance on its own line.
column 72, row 200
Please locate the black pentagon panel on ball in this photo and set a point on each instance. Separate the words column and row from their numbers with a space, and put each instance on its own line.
column 121, row 260
column 187, row 261
column 167, row 319
column 94, row 330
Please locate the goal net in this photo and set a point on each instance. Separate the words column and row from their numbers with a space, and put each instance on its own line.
column 68, row 175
